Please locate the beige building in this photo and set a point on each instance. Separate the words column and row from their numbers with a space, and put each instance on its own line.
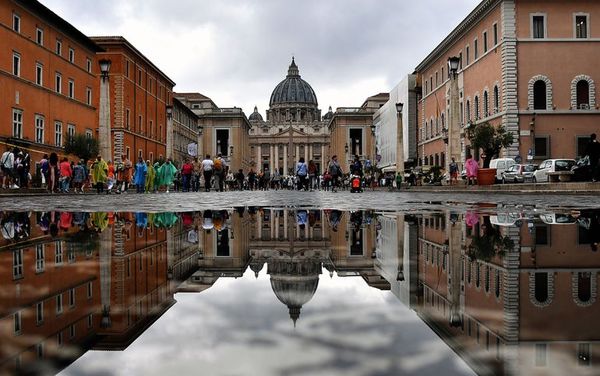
column 351, row 131
column 221, row 130
column 186, row 133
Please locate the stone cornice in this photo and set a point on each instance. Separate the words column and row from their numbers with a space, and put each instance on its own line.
column 475, row 16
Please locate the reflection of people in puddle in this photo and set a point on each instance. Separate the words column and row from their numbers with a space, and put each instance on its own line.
column 334, row 219
column 590, row 220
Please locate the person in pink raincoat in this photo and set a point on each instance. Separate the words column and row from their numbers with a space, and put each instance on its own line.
column 472, row 167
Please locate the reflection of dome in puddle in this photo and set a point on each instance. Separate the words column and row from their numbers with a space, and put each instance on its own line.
column 294, row 277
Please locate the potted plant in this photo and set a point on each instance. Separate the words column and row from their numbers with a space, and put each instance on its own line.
column 490, row 140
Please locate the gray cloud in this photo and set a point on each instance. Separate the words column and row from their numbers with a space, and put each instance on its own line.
column 236, row 51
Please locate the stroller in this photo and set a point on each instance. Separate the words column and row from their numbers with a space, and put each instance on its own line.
column 355, row 184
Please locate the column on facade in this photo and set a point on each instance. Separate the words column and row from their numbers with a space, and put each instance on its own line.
column 285, row 159
column 323, row 158
column 297, row 156
column 258, row 158
column 271, row 159
column 259, row 225
column 306, row 152
column 276, row 157
column 277, row 225
column 310, row 152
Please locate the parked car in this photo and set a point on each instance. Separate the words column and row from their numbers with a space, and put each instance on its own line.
column 518, row 173
column 558, row 219
column 501, row 165
column 551, row 165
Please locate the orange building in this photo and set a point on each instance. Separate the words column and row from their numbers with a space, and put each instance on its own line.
column 139, row 95
column 526, row 65
column 48, row 82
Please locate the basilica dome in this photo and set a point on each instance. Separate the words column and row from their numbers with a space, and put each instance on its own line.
column 255, row 116
column 293, row 90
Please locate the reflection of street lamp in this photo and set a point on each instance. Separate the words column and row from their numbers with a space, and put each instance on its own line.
column 346, row 148
column 169, row 112
column 230, row 150
column 454, row 120
column 445, row 135
column 399, row 146
column 104, row 132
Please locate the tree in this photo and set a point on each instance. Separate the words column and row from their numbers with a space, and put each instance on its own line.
column 81, row 145
column 490, row 244
column 490, row 140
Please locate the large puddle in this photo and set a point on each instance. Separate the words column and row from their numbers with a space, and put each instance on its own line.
column 263, row 291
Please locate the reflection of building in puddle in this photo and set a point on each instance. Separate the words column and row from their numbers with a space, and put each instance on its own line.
column 511, row 296
column 71, row 288
column 295, row 245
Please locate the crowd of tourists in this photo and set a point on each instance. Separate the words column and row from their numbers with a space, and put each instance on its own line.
column 61, row 175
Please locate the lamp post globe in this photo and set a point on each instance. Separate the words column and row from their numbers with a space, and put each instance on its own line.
column 399, row 107
column 453, row 63
column 104, row 67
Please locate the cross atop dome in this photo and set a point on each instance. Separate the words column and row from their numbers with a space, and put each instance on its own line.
column 293, row 71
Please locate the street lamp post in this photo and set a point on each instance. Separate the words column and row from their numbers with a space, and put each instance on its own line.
column 169, row 111
column 104, row 132
column 454, row 118
column 399, row 141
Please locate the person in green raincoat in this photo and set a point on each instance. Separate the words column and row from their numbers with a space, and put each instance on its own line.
column 99, row 173
column 166, row 174
column 150, row 176
column 157, row 165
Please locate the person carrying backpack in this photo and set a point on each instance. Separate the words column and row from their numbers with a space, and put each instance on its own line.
column 335, row 170
column 219, row 171
column 302, row 173
column 7, row 162
column 207, row 170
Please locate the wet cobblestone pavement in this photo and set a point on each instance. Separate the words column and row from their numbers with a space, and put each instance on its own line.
column 180, row 202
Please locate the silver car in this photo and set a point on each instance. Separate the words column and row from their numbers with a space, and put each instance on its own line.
column 518, row 173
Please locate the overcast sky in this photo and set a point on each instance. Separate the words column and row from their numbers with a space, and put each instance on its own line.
column 237, row 51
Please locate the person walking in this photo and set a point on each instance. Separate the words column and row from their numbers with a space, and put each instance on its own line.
column 99, row 174
column 23, row 168
column 125, row 175
column 44, row 170
column 53, row 172
column 66, row 172
column 453, row 167
column 207, row 171
column 312, row 174
column 167, row 174
column 302, row 173
column 472, row 168
column 356, row 168
column 220, row 172
column 111, row 177
column 157, row 165
column 187, row 170
column 335, row 170
column 7, row 163
column 139, row 175
column 252, row 179
column 151, row 175
column 593, row 153
column 78, row 177
column 239, row 177
column 197, row 174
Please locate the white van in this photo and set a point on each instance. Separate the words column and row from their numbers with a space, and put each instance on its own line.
column 501, row 165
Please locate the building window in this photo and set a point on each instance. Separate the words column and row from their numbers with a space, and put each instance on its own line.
column 17, row 321
column 71, row 55
column 468, row 53
column 72, row 298
column 59, row 304
column 460, row 58
column 356, row 141
column 538, row 26
column 139, row 77
column 58, row 134
column 17, row 123
column 222, row 139
column 88, row 65
column 58, row 83
column 436, row 79
column 485, row 41
column 127, row 118
column 88, row 96
column 539, row 95
column 39, row 313
column 581, row 26
column 496, row 99
column 468, row 111
column 71, row 89
column 70, row 131
column 542, row 147
column 59, row 339
column 89, row 290
column 475, row 49
column 40, row 258
column 495, row 34
column 39, row 129
column 127, row 68
column 39, row 74
column 18, row 264
column 583, row 95
column 476, row 109
column 88, row 133
column 58, row 47
column 16, row 23
column 16, row 64
column 58, row 253
column 486, row 106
